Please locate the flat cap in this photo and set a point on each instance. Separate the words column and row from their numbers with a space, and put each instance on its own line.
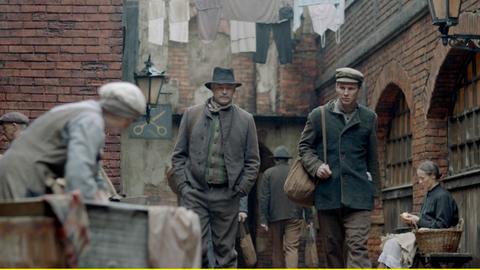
column 123, row 99
column 348, row 75
column 14, row 117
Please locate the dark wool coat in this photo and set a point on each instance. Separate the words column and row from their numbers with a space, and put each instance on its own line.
column 274, row 202
column 439, row 209
column 351, row 152
column 240, row 146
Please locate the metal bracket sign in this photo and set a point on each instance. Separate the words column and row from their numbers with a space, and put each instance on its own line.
column 160, row 126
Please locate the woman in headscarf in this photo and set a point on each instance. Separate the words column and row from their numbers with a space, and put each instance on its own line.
column 439, row 210
column 66, row 142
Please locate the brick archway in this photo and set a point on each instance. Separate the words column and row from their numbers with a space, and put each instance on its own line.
column 445, row 68
column 392, row 75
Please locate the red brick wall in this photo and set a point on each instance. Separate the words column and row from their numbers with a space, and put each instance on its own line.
column 297, row 80
column 419, row 68
column 54, row 52
column 245, row 73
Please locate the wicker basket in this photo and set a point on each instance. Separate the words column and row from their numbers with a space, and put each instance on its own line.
column 439, row 240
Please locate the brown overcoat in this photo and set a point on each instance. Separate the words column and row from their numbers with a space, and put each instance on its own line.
column 240, row 146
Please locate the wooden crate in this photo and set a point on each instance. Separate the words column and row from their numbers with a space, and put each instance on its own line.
column 29, row 241
column 118, row 236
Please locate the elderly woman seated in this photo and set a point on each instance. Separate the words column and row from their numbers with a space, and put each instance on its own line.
column 439, row 210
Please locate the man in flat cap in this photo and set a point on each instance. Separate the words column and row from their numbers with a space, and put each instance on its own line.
column 346, row 184
column 12, row 124
column 66, row 142
column 215, row 162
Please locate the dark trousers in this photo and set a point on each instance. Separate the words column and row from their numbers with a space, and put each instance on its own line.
column 218, row 213
column 345, row 235
column 282, row 35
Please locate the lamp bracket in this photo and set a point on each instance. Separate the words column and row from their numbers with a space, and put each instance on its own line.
column 462, row 41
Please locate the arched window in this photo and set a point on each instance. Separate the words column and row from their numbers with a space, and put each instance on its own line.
column 397, row 192
column 464, row 121
column 399, row 147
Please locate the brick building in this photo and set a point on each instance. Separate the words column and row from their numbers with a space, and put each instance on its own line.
column 54, row 52
column 426, row 97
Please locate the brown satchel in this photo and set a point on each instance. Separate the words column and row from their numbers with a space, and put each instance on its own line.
column 246, row 244
column 299, row 185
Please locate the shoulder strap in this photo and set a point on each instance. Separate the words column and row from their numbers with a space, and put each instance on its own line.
column 324, row 133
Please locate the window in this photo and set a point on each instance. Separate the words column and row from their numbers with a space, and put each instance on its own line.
column 397, row 195
column 399, row 147
column 464, row 121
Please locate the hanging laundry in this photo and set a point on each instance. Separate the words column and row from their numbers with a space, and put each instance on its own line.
column 297, row 15
column 156, row 19
column 282, row 37
column 208, row 18
column 298, row 7
column 264, row 11
column 304, row 3
column 242, row 36
column 327, row 16
column 179, row 15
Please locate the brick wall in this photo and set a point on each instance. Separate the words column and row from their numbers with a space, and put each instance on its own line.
column 415, row 63
column 54, row 52
column 244, row 68
column 297, row 80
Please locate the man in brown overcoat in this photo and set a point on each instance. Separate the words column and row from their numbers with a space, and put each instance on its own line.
column 215, row 162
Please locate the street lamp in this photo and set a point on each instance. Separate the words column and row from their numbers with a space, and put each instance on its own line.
column 150, row 80
column 445, row 14
column 157, row 121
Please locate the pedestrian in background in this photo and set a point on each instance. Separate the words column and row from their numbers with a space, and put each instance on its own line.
column 12, row 124
column 279, row 215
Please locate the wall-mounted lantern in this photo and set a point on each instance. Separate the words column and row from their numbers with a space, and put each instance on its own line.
column 445, row 14
column 157, row 121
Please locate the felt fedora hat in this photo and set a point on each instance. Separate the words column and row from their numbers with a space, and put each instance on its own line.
column 222, row 76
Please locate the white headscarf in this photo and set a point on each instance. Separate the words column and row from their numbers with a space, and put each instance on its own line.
column 123, row 99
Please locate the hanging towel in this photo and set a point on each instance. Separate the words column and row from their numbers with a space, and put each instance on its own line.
column 156, row 18
column 264, row 11
column 297, row 15
column 298, row 7
column 208, row 18
column 179, row 14
column 327, row 16
column 179, row 10
column 242, row 36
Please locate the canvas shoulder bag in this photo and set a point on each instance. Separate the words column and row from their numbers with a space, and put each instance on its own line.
column 299, row 185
